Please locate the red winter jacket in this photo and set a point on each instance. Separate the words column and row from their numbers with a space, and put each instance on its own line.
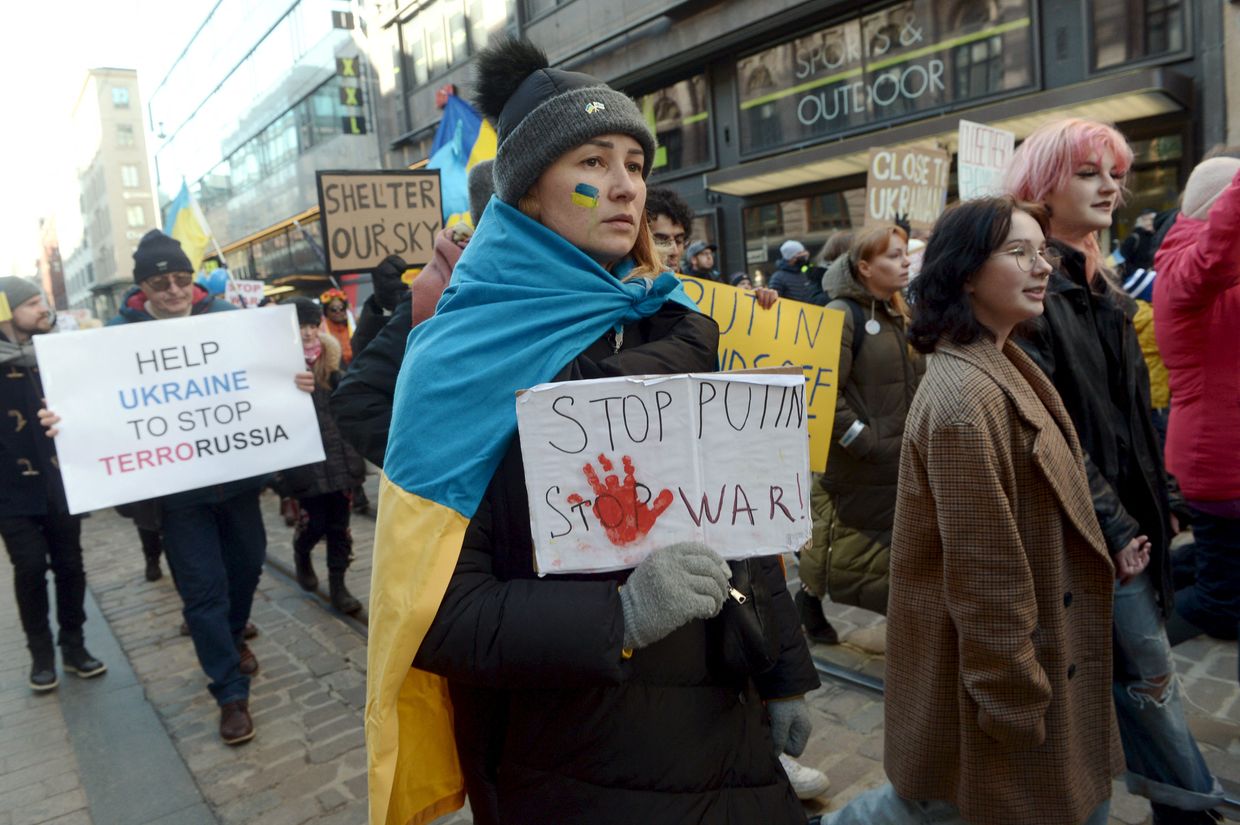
column 1197, row 310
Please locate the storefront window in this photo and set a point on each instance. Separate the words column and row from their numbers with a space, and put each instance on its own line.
column 1153, row 182
column 914, row 57
column 679, row 115
column 811, row 220
column 1128, row 30
column 446, row 33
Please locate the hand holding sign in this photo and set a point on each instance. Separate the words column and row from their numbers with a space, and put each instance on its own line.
column 616, row 507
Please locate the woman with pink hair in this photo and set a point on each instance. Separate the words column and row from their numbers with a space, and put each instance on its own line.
column 1086, row 344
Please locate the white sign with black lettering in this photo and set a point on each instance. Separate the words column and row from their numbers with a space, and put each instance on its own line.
column 617, row 467
column 161, row 407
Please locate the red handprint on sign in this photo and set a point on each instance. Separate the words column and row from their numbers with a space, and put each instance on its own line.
column 624, row 518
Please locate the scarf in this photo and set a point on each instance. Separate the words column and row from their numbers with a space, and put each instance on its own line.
column 312, row 351
column 523, row 302
column 20, row 355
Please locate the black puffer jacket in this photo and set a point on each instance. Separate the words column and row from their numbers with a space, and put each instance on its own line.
column 1086, row 343
column 553, row 723
column 876, row 387
column 342, row 468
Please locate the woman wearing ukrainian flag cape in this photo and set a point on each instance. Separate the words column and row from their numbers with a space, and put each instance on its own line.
column 564, row 699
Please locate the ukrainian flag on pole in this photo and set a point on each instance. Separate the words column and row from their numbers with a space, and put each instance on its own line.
column 185, row 222
column 462, row 140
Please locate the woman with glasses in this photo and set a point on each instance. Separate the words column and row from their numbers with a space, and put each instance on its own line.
column 1087, row 345
column 998, row 686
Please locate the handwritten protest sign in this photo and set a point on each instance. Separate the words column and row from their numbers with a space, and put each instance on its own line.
column 982, row 157
column 162, row 407
column 790, row 333
column 243, row 294
column 367, row 216
column 908, row 181
column 617, row 467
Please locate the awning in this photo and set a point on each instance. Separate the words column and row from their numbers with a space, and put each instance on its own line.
column 1113, row 99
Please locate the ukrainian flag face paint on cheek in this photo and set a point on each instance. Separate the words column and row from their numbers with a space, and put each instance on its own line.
column 586, row 196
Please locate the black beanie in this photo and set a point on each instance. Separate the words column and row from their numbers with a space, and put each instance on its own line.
column 309, row 313
column 158, row 254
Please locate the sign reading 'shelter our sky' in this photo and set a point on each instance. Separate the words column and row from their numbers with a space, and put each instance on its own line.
column 161, row 407
column 617, row 467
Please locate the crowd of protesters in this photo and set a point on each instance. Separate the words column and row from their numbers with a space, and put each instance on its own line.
column 1019, row 434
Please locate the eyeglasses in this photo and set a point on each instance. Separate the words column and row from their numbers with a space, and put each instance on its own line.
column 669, row 240
column 1027, row 256
column 161, row 283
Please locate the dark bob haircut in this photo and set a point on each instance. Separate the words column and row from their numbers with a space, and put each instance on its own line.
column 663, row 201
column 963, row 239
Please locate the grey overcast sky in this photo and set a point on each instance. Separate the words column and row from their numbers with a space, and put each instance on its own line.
column 47, row 48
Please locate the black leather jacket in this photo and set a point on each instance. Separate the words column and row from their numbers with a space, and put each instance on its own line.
column 1086, row 343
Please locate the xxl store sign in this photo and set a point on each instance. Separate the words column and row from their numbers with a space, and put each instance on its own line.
column 914, row 57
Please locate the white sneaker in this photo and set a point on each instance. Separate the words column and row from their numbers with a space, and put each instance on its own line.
column 807, row 782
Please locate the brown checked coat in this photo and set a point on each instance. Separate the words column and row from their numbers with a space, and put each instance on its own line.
column 999, row 630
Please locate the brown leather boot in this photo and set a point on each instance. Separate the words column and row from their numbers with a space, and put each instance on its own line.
column 236, row 726
column 249, row 662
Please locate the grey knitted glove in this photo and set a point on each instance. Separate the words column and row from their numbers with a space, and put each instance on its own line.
column 671, row 587
column 790, row 725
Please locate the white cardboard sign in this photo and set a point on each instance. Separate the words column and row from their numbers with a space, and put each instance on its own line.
column 617, row 467
column 243, row 294
column 161, row 407
column 982, row 156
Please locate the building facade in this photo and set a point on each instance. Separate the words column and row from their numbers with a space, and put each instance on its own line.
column 765, row 111
column 115, row 203
column 264, row 94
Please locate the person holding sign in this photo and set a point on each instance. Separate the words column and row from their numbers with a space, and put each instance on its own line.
column 998, row 687
column 214, row 537
column 601, row 697
column 1087, row 344
column 878, row 376
column 322, row 489
column 35, row 523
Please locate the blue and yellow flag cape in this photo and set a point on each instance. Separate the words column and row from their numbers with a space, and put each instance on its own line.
column 522, row 304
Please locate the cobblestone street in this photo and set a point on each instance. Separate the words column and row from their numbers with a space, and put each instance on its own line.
column 139, row 745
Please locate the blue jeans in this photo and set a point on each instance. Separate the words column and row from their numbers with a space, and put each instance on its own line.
column 1164, row 763
column 216, row 552
column 1212, row 603
column 883, row 806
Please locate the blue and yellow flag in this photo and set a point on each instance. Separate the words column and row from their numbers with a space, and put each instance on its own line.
column 185, row 222
column 522, row 304
column 463, row 139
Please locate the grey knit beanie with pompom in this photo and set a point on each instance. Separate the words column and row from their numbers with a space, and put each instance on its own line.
column 540, row 113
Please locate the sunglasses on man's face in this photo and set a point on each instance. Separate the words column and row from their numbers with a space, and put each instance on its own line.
column 161, row 283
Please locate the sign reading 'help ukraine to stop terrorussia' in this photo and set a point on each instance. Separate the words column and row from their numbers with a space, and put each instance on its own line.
column 162, row 407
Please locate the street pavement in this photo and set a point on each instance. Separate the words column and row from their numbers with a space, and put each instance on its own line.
column 138, row 746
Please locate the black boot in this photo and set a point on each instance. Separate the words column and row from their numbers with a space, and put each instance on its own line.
column 77, row 658
column 816, row 626
column 361, row 501
column 43, row 668
column 342, row 599
column 306, row 577
column 152, row 546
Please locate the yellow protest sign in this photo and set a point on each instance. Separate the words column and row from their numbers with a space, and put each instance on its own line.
column 790, row 333
column 6, row 314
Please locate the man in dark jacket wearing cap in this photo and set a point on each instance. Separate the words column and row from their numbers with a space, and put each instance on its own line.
column 35, row 523
column 213, row 536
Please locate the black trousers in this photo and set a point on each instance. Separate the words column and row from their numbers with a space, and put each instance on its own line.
column 34, row 544
column 326, row 515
